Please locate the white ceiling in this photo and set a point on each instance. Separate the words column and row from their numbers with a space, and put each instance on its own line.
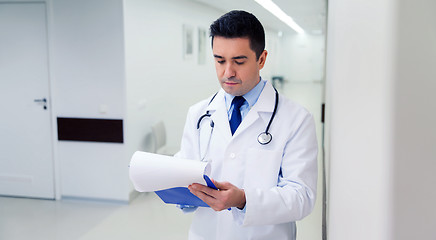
column 309, row 14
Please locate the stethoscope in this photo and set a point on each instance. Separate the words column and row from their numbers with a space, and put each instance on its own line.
column 263, row 138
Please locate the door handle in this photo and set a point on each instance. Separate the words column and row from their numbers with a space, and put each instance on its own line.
column 42, row 100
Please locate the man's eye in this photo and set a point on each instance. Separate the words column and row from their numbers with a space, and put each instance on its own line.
column 220, row 62
column 239, row 63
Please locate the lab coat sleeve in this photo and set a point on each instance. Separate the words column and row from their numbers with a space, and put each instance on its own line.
column 294, row 196
column 189, row 143
column 187, row 150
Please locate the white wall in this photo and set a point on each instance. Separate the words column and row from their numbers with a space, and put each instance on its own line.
column 88, row 57
column 302, row 57
column 414, row 137
column 380, row 75
column 359, row 83
column 273, row 47
column 88, row 74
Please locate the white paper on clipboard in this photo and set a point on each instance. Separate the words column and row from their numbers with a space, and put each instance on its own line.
column 151, row 172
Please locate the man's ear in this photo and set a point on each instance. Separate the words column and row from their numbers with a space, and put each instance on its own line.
column 262, row 59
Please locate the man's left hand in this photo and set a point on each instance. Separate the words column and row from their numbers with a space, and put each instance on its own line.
column 227, row 195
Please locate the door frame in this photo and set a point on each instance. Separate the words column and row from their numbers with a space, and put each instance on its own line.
column 53, row 113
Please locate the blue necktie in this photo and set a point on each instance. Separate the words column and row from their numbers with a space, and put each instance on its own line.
column 236, row 118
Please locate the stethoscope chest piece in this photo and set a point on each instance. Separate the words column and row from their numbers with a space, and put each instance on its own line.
column 264, row 138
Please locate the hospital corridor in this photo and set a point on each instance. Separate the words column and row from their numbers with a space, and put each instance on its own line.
column 314, row 119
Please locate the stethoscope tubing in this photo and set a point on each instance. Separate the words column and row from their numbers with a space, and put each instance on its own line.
column 276, row 103
column 263, row 138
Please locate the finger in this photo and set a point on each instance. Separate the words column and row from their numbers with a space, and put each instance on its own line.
column 203, row 196
column 198, row 187
column 209, row 200
column 205, row 189
column 214, row 203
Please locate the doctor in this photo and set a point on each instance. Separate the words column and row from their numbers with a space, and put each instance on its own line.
column 261, row 146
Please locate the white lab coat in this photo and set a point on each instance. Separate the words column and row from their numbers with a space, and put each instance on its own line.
column 279, row 178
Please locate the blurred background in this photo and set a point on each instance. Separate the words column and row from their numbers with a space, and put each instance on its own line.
column 86, row 83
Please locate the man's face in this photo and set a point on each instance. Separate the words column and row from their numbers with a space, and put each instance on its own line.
column 236, row 66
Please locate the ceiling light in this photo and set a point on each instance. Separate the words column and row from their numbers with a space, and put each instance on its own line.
column 276, row 11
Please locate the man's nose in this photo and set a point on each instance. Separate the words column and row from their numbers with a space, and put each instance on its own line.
column 229, row 71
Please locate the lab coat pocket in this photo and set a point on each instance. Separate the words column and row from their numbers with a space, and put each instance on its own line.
column 262, row 168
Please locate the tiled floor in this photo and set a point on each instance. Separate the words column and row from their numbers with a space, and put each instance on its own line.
column 145, row 218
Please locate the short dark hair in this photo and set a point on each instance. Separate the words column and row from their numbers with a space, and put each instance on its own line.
column 240, row 24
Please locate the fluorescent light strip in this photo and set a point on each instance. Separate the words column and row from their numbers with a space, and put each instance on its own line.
column 276, row 11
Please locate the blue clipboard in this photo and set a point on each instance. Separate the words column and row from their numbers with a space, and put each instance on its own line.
column 182, row 195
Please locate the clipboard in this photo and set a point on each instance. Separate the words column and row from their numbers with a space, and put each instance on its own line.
column 182, row 195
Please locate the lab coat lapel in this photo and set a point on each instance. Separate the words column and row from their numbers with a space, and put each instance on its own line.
column 219, row 116
column 265, row 104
